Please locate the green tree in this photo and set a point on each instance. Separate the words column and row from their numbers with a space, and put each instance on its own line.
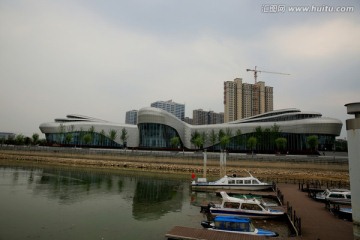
column 274, row 134
column 221, row 134
column 224, row 138
column 204, row 138
column 81, row 135
column 124, row 136
column 312, row 141
column 68, row 137
column 175, row 142
column 251, row 143
column 61, row 133
column 213, row 137
column 228, row 132
column 35, row 138
column 199, row 142
column 281, row 144
column 87, row 138
column 102, row 137
column 198, row 139
column 259, row 135
column 112, row 135
column 19, row 139
column 194, row 136
column 224, row 141
column 27, row 141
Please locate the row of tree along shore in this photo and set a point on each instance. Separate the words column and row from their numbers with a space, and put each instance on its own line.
column 331, row 157
column 262, row 140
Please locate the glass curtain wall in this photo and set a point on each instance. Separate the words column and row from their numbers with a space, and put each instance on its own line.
column 81, row 139
column 296, row 143
column 153, row 135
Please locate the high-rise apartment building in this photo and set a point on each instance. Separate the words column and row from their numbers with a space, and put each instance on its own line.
column 176, row 109
column 131, row 117
column 242, row 100
column 201, row 117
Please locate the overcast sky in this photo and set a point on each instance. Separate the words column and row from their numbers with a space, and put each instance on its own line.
column 103, row 58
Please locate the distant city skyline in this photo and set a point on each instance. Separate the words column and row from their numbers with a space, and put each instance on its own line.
column 177, row 109
column 131, row 117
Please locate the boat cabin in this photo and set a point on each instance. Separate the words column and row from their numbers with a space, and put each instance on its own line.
column 253, row 205
column 238, row 180
column 335, row 195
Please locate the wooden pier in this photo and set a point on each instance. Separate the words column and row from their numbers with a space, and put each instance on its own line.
column 317, row 222
column 188, row 233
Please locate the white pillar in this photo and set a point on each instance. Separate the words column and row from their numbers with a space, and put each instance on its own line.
column 221, row 163
column 353, row 136
column 224, row 162
column 205, row 160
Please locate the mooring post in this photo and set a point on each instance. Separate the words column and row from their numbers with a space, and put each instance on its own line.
column 353, row 135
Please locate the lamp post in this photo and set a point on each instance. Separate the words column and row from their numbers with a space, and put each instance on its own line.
column 353, row 135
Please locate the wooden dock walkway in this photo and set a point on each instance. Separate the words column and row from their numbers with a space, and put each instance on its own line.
column 188, row 233
column 317, row 222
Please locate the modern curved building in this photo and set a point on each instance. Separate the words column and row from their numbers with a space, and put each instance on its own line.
column 73, row 129
column 157, row 127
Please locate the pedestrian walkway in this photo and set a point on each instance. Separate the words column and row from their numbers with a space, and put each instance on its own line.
column 317, row 222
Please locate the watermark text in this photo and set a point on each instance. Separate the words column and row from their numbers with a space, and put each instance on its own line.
column 282, row 8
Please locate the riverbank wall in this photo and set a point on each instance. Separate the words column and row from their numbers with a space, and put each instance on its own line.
column 281, row 167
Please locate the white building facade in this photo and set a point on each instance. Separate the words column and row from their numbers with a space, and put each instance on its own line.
column 157, row 127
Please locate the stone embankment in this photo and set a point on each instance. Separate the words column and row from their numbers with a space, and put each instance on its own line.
column 279, row 168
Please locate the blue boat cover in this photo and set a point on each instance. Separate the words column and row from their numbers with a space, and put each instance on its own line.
column 234, row 219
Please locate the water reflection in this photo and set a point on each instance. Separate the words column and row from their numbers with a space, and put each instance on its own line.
column 153, row 198
column 72, row 186
column 62, row 203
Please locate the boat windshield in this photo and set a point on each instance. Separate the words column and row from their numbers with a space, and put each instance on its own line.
column 251, row 227
column 263, row 206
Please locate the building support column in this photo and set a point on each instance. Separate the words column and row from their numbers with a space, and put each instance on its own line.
column 353, row 136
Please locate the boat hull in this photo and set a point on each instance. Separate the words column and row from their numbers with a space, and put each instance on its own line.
column 210, row 187
column 247, row 214
column 236, row 225
column 260, row 233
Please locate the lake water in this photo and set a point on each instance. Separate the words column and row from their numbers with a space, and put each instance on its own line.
column 64, row 203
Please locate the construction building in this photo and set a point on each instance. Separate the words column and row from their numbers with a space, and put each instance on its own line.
column 243, row 100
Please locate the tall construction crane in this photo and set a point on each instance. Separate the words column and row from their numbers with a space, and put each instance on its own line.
column 258, row 71
column 256, row 106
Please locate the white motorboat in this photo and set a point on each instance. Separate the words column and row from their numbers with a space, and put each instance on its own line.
column 252, row 208
column 231, row 183
column 340, row 196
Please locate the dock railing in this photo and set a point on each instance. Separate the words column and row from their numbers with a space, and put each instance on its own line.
column 294, row 219
column 290, row 212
